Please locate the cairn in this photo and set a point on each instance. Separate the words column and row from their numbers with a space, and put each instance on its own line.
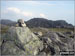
column 21, row 23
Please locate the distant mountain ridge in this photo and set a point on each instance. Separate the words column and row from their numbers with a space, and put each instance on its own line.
column 40, row 22
column 7, row 22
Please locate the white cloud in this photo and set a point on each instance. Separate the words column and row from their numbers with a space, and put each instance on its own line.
column 27, row 13
column 18, row 11
column 43, row 15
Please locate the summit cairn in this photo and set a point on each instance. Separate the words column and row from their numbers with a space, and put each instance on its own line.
column 21, row 23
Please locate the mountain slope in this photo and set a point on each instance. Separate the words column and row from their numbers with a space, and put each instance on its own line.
column 7, row 22
column 41, row 22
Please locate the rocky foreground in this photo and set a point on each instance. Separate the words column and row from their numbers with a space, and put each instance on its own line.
column 21, row 41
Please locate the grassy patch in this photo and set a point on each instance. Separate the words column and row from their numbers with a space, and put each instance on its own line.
column 59, row 29
column 44, row 30
column 4, row 29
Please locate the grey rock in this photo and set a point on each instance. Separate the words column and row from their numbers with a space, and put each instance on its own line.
column 54, row 42
column 38, row 33
column 10, row 48
column 21, row 23
column 61, row 35
column 69, row 32
column 20, row 40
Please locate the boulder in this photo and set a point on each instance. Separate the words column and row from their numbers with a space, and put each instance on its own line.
column 69, row 32
column 38, row 33
column 20, row 41
column 54, row 42
column 61, row 35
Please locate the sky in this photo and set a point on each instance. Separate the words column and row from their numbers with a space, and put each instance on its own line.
column 51, row 10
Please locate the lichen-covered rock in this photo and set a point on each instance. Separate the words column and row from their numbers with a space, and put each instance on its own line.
column 20, row 40
column 10, row 48
column 54, row 42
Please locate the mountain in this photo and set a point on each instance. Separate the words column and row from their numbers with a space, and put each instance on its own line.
column 41, row 22
column 7, row 22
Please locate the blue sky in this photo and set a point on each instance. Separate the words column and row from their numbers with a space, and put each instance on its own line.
column 52, row 10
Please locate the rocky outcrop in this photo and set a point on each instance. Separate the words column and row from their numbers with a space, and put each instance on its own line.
column 54, row 42
column 20, row 41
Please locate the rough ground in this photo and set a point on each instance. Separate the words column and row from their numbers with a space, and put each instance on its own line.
column 21, row 41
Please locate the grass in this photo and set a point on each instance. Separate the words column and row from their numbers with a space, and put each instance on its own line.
column 3, row 29
column 60, row 29
column 44, row 30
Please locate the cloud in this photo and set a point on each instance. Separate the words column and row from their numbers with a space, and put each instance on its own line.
column 27, row 13
column 18, row 11
column 43, row 15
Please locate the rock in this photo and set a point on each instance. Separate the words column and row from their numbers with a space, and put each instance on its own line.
column 61, row 35
column 42, row 54
column 0, row 40
column 54, row 42
column 10, row 48
column 69, row 32
column 20, row 40
column 21, row 23
column 0, row 43
column 38, row 33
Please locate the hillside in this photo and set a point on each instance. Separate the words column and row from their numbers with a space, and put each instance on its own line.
column 7, row 22
column 40, row 22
